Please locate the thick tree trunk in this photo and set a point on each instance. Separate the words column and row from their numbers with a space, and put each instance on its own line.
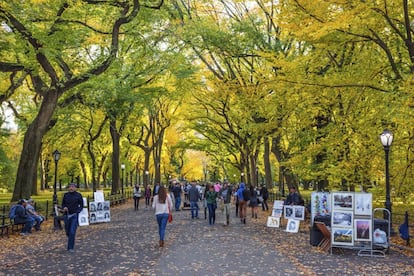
column 29, row 158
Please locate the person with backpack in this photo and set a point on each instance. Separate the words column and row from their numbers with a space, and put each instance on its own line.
column 243, row 195
column 19, row 215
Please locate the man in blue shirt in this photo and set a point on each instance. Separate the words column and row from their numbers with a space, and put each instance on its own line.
column 72, row 205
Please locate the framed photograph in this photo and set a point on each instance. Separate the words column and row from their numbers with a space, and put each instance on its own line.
column 299, row 213
column 278, row 204
column 363, row 229
column 342, row 236
column 106, row 205
column 107, row 216
column 363, row 204
column 273, row 222
column 92, row 207
column 83, row 217
column 277, row 213
column 320, row 205
column 292, row 226
column 343, row 201
column 93, row 218
column 342, row 218
column 289, row 212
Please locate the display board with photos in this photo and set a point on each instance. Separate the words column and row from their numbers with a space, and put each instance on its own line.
column 277, row 212
column 296, row 212
column 99, row 212
column 351, row 218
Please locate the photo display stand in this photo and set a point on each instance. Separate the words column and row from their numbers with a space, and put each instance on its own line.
column 352, row 223
column 277, row 211
column 99, row 210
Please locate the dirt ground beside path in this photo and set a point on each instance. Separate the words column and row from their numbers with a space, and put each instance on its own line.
column 128, row 245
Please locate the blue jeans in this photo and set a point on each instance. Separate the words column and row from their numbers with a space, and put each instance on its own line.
column 211, row 213
column 28, row 224
column 38, row 220
column 194, row 209
column 177, row 203
column 162, row 220
column 71, row 224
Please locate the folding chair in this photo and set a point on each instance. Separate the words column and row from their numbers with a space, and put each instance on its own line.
column 325, row 243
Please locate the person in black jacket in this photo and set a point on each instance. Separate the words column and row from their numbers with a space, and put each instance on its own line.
column 72, row 205
column 23, row 217
column 264, row 193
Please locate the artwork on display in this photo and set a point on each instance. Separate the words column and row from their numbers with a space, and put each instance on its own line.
column 289, row 212
column 363, row 204
column 273, row 222
column 98, row 196
column 278, row 204
column 320, row 204
column 299, row 212
column 342, row 236
column 343, row 201
column 99, row 212
column 342, row 218
column 292, row 226
column 83, row 217
column 363, row 229
column 277, row 213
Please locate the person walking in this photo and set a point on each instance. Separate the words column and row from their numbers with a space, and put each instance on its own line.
column 137, row 196
column 236, row 200
column 194, row 197
column 72, row 204
column 264, row 193
column 253, row 202
column 147, row 196
column 225, row 194
column 211, row 198
column 162, row 204
column 177, row 195
column 243, row 196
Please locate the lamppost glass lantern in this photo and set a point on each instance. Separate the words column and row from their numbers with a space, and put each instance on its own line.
column 56, row 157
column 386, row 140
column 146, row 178
column 122, row 178
column 241, row 177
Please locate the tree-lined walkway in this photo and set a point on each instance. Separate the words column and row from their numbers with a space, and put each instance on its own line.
column 129, row 246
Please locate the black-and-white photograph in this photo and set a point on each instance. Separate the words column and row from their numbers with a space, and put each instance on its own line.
column 343, row 201
column 299, row 213
column 292, row 226
column 342, row 218
column 289, row 212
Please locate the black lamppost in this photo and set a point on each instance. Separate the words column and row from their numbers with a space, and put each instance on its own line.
column 56, row 157
column 122, row 178
column 386, row 140
column 257, row 176
column 241, row 177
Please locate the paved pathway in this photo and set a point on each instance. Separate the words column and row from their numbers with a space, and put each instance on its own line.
column 128, row 245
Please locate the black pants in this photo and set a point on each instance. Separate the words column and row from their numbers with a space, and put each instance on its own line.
column 264, row 205
column 136, row 202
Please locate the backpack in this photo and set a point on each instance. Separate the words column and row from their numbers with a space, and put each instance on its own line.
column 12, row 212
column 246, row 195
